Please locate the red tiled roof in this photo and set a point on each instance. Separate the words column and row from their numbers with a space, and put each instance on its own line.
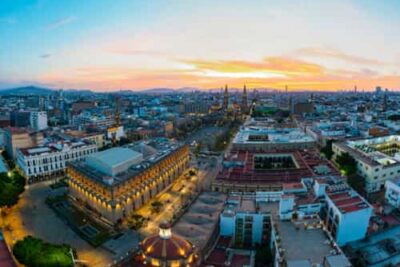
column 347, row 202
column 244, row 171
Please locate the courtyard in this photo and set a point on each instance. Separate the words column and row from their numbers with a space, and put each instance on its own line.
column 32, row 216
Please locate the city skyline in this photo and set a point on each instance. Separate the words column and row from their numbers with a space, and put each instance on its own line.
column 138, row 45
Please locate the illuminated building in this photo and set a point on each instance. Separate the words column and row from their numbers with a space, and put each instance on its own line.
column 166, row 250
column 117, row 181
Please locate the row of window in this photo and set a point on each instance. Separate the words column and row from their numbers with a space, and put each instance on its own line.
column 67, row 156
column 46, row 168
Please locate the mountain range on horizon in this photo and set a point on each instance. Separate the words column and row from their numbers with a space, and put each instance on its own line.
column 38, row 90
column 26, row 90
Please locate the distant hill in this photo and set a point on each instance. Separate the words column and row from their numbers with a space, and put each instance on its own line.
column 27, row 90
column 158, row 91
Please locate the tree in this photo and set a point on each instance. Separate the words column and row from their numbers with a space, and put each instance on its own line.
column 347, row 164
column 136, row 221
column 327, row 149
column 34, row 252
column 156, row 206
column 12, row 184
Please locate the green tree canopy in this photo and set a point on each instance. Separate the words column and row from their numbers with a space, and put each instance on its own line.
column 327, row 149
column 12, row 184
column 34, row 252
column 347, row 163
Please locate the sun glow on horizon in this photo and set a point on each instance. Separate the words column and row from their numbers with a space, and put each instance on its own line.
column 137, row 45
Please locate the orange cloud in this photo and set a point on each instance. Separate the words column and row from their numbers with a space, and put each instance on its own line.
column 272, row 65
column 272, row 72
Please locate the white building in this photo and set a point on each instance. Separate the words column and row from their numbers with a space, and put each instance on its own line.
column 265, row 138
column 347, row 214
column 46, row 162
column 248, row 222
column 38, row 120
column 378, row 159
column 344, row 212
column 115, row 132
column 392, row 193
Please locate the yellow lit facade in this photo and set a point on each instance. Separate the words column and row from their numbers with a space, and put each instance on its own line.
column 118, row 200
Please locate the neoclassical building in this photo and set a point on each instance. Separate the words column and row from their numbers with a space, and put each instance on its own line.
column 117, row 181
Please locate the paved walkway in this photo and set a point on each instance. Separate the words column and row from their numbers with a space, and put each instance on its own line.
column 31, row 216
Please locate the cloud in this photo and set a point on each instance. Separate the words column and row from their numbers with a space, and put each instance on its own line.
column 271, row 66
column 61, row 22
column 336, row 54
column 270, row 72
column 44, row 56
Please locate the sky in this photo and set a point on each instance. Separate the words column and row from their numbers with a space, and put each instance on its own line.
column 139, row 44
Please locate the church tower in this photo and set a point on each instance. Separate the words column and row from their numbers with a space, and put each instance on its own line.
column 244, row 100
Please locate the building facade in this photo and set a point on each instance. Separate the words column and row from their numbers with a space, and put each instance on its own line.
column 115, row 196
column 246, row 221
column 264, row 138
column 346, row 215
column 50, row 161
column 38, row 120
column 392, row 192
column 378, row 159
column 20, row 138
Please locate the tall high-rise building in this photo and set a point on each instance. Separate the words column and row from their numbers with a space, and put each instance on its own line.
column 244, row 100
column 226, row 98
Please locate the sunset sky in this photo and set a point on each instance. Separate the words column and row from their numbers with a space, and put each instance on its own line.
column 138, row 44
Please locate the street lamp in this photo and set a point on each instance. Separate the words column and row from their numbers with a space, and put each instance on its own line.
column 9, row 174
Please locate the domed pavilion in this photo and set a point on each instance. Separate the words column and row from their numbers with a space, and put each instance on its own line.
column 167, row 250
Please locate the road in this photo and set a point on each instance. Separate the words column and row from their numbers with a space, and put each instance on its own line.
column 179, row 193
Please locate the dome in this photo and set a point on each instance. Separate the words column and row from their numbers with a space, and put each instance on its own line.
column 166, row 247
